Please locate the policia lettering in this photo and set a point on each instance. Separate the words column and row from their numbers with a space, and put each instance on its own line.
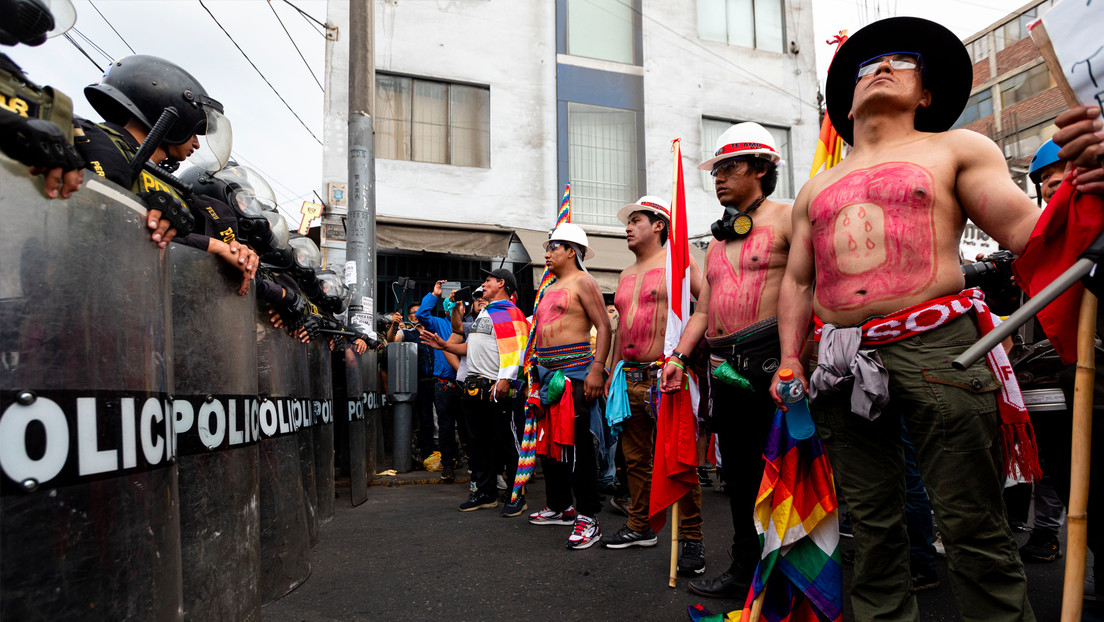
column 62, row 438
column 366, row 401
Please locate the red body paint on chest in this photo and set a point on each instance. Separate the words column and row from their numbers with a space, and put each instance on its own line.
column 736, row 291
column 640, row 312
column 553, row 307
column 874, row 235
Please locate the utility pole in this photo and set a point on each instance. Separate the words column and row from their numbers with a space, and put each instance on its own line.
column 360, row 264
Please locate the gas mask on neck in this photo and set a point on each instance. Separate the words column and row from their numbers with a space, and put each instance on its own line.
column 735, row 224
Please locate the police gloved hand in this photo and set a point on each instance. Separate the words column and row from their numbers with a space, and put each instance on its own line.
column 311, row 327
column 42, row 146
column 171, row 209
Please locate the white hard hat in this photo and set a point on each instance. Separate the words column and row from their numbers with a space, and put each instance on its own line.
column 743, row 139
column 647, row 203
column 570, row 232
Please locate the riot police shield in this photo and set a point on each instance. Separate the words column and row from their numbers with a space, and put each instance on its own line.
column 301, row 409
column 354, row 409
column 373, row 414
column 88, row 495
column 215, row 418
column 322, row 428
column 285, row 543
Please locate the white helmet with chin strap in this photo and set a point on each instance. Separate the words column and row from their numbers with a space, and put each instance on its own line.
column 743, row 139
column 574, row 234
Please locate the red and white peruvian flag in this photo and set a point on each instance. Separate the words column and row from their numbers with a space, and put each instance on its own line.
column 678, row 260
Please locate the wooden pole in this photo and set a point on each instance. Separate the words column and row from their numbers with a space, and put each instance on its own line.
column 674, row 543
column 757, row 606
column 1077, row 518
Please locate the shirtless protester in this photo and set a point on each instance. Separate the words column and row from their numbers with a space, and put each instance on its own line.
column 875, row 261
column 641, row 302
column 569, row 383
column 736, row 313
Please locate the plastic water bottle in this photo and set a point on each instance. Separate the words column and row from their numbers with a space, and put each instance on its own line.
column 799, row 423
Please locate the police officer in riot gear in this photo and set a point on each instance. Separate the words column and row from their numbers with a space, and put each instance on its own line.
column 140, row 95
column 36, row 122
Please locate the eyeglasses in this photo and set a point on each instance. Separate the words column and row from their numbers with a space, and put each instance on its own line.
column 911, row 60
column 552, row 246
column 726, row 167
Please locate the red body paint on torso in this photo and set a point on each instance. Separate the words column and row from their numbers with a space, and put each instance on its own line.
column 553, row 307
column 642, row 312
column 736, row 291
column 874, row 235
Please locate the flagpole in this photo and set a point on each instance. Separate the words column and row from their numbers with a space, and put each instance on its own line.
column 1077, row 521
column 674, row 543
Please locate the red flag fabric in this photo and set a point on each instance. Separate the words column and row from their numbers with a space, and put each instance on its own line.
column 1069, row 223
column 675, row 466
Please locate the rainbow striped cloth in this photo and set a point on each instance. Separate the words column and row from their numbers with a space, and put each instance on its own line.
column 512, row 332
column 797, row 519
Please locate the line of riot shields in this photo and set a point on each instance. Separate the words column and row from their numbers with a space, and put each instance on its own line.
column 165, row 451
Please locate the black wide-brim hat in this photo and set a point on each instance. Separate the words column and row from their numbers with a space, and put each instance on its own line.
column 948, row 73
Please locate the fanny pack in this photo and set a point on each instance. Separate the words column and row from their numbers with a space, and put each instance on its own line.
column 478, row 387
column 753, row 352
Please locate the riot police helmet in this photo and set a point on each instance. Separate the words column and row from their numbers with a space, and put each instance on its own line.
column 31, row 22
column 141, row 87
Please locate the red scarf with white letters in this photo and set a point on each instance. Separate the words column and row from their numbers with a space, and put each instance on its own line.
column 1017, row 435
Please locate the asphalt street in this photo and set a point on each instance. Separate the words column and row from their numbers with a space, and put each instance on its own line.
column 408, row 554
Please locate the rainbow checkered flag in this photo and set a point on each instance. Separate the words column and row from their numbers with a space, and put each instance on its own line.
column 829, row 149
column 527, row 447
column 798, row 523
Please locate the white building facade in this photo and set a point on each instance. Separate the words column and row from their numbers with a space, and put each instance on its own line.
column 486, row 109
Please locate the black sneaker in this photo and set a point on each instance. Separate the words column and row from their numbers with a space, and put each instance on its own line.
column 448, row 474
column 511, row 509
column 1041, row 548
column 621, row 505
column 703, row 478
column 691, row 560
column 626, row 537
column 478, row 502
column 728, row 586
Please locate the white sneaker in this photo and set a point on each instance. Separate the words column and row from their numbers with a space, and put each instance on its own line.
column 501, row 483
column 549, row 517
column 586, row 533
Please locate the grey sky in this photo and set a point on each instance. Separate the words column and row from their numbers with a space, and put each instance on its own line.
column 266, row 135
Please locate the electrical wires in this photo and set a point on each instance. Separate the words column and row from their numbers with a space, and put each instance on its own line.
column 255, row 68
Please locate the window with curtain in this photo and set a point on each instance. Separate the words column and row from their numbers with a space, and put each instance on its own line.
column 432, row 121
column 747, row 23
column 602, row 162
column 713, row 128
column 602, row 29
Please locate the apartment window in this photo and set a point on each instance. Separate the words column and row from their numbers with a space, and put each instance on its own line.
column 601, row 29
column 1016, row 29
column 1025, row 142
column 432, row 121
column 1024, row 85
column 978, row 48
column 979, row 106
column 748, row 23
column 602, row 162
column 712, row 130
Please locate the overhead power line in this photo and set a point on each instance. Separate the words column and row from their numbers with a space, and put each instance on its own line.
column 306, row 16
column 255, row 68
column 293, row 44
column 110, row 25
column 70, row 39
column 92, row 43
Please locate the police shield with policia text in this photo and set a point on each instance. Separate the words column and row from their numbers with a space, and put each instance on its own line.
column 875, row 265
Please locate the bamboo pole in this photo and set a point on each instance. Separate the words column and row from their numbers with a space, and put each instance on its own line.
column 757, row 606
column 1073, row 589
column 674, row 543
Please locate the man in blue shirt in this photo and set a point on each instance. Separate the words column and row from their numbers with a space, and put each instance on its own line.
column 446, row 393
